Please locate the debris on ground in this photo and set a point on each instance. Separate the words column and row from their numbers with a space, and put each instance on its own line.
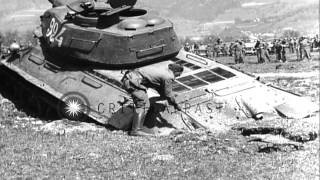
column 66, row 127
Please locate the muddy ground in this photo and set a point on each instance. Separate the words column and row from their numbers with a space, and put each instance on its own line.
column 33, row 148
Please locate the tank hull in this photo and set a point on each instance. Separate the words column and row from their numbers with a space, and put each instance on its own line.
column 208, row 91
column 94, row 86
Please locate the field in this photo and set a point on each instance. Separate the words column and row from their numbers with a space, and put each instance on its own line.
column 33, row 148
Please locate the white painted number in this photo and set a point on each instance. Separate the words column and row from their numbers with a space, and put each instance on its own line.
column 53, row 30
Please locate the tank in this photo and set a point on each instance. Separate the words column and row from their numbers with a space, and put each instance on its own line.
column 85, row 47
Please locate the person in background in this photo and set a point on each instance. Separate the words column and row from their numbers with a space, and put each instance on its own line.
column 291, row 45
column 187, row 47
column 297, row 48
column 258, row 47
column 304, row 49
column 238, row 52
column 265, row 51
column 278, row 50
column 283, row 51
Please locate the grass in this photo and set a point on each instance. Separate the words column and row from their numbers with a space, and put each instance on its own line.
column 114, row 155
column 291, row 66
column 29, row 154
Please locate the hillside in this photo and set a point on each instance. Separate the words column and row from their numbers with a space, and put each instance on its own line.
column 275, row 15
column 195, row 17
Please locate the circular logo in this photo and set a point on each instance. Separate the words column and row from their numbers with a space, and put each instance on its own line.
column 74, row 106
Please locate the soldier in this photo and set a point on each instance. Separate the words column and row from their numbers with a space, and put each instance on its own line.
column 225, row 49
column 291, row 45
column 238, row 52
column 195, row 48
column 210, row 51
column 266, row 51
column 159, row 77
column 217, row 48
column 262, row 51
column 283, row 51
column 230, row 48
column 187, row 47
column 278, row 50
column 297, row 48
column 259, row 48
column 304, row 49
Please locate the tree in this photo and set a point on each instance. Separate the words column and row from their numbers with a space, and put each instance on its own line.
column 290, row 33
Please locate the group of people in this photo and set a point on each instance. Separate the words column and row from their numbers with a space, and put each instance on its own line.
column 211, row 50
column 302, row 46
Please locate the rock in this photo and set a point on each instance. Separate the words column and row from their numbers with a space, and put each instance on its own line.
column 231, row 150
column 165, row 157
column 273, row 139
column 66, row 127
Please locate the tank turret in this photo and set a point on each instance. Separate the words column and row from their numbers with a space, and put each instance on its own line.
column 107, row 32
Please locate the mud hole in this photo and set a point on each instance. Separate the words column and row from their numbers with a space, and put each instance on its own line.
column 279, row 131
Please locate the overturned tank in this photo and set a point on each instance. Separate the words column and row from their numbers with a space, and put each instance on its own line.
column 85, row 47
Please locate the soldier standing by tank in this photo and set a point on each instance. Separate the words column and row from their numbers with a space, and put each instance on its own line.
column 304, row 49
column 159, row 77
column 238, row 52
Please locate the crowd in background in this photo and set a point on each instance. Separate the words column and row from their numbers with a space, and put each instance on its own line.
column 301, row 46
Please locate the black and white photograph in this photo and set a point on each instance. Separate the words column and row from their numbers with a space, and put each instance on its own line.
column 159, row 89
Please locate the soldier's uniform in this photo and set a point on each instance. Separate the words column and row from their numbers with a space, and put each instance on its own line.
column 230, row 48
column 238, row 52
column 283, row 51
column 259, row 49
column 159, row 77
column 187, row 47
column 262, row 52
column 297, row 48
column 225, row 49
column 304, row 49
column 291, row 45
column 210, row 51
column 266, row 51
column 278, row 50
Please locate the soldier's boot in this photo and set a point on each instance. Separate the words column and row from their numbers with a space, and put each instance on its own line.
column 137, row 126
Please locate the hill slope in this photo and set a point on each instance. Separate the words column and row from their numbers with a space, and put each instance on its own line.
column 197, row 16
